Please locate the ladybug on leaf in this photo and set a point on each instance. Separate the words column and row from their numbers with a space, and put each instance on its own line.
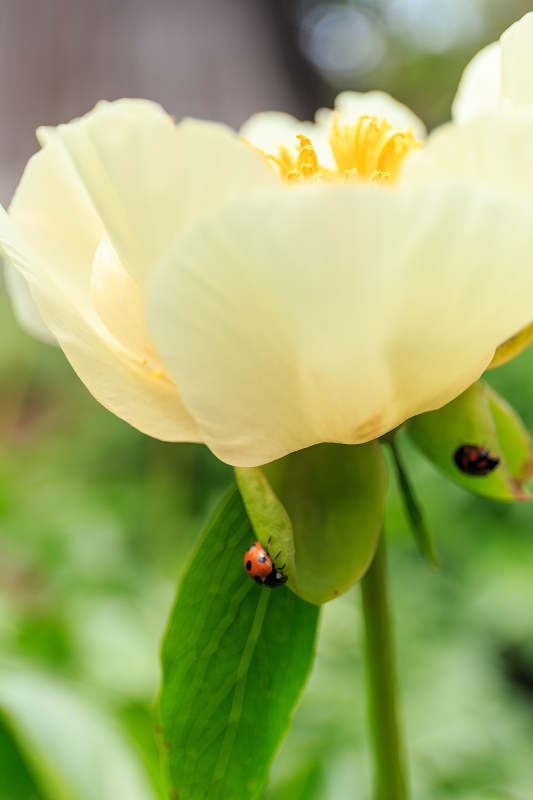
column 472, row 459
column 262, row 568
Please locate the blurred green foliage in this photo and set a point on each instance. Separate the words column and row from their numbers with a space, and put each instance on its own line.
column 17, row 782
column 427, row 81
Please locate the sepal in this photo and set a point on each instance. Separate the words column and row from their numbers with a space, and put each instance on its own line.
column 512, row 347
column 323, row 507
column 479, row 417
column 269, row 519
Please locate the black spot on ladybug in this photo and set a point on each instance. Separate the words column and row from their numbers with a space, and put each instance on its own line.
column 472, row 459
column 248, row 565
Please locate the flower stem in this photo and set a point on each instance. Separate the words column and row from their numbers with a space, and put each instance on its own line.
column 381, row 677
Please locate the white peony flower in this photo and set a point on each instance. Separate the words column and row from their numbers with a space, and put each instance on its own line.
column 259, row 299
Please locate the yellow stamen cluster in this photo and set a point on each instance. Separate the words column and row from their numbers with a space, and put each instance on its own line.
column 370, row 150
column 373, row 148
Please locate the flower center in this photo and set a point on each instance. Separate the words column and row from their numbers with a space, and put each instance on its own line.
column 370, row 150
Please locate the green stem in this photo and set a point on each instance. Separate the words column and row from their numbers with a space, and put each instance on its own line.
column 381, row 676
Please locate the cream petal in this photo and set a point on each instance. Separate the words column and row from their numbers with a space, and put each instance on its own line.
column 56, row 219
column 352, row 105
column 495, row 148
column 268, row 130
column 121, row 305
column 112, row 374
column 24, row 308
column 479, row 87
column 517, row 62
column 333, row 313
column 61, row 232
column 149, row 178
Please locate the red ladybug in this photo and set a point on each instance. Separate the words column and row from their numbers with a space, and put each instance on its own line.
column 261, row 567
column 475, row 460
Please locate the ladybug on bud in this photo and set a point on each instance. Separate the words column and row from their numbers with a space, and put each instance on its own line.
column 472, row 459
column 262, row 568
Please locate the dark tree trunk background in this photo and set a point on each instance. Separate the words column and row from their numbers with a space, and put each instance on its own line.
column 214, row 59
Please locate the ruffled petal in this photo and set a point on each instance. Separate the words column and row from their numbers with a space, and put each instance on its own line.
column 517, row 63
column 24, row 308
column 334, row 313
column 149, row 178
column 121, row 305
column 352, row 105
column 127, row 169
column 58, row 223
column 113, row 375
column 479, row 87
column 268, row 130
column 496, row 148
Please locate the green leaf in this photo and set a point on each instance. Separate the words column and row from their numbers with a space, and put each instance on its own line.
column 16, row 779
column 479, row 416
column 334, row 496
column 423, row 536
column 235, row 659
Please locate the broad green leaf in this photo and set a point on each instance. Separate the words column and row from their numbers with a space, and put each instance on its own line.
column 423, row 535
column 480, row 417
column 73, row 747
column 235, row 659
column 16, row 779
column 334, row 496
column 269, row 519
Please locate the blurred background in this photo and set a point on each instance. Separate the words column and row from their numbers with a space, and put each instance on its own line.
column 96, row 520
